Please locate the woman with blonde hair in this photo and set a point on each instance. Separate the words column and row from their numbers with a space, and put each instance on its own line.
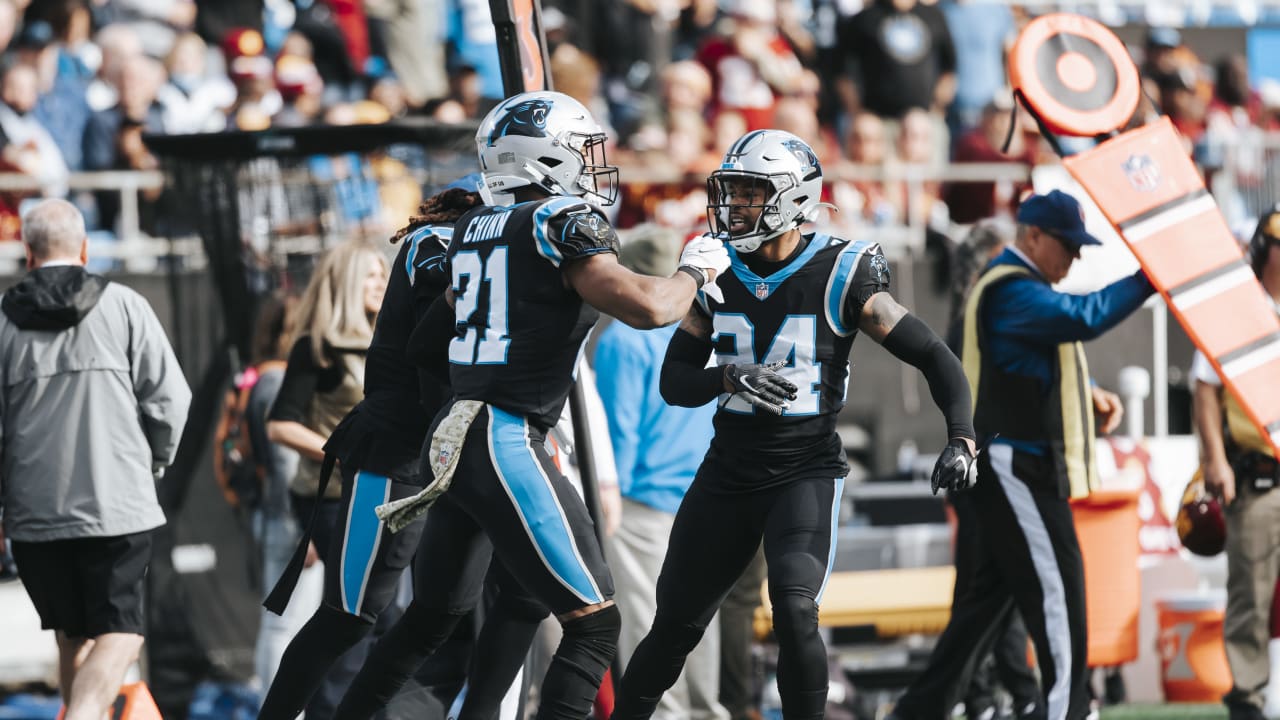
column 324, row 379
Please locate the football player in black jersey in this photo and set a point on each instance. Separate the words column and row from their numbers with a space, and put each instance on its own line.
column 377, row 446
column 781, row 335
column 528, row 278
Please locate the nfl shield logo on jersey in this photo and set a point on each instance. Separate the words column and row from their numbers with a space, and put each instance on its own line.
column 762, row 290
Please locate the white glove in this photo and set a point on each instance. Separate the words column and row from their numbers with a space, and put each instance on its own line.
column 707, row 254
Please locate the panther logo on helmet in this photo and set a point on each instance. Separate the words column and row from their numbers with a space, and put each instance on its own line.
column 528, row 118
column 803, row 153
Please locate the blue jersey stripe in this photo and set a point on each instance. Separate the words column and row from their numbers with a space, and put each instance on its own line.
column 536, row 503
column 364, row 534
column 839, row 285
column 541, row 217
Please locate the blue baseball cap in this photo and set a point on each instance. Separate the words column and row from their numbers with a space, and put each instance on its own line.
column 1058, row 214
column 470, row 183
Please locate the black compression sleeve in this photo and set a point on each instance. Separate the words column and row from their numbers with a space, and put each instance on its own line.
column 428, row 346
column 686, row 380
column 913, row 342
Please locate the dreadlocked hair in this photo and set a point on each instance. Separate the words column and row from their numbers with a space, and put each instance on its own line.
column 443, row 207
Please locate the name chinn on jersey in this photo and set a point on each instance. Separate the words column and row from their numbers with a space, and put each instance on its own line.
column 520, row 329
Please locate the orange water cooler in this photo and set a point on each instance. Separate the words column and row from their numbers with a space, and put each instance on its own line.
column 1107, row 524
column 1193, row 663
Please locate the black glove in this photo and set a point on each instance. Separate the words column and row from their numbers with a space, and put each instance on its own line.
column 761, row 386
column 956, row 469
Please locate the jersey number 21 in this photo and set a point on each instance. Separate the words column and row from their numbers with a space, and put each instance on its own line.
column 485, row 341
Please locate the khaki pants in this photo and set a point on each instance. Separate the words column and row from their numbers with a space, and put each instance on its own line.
column 635, row 555
column 1253, row 564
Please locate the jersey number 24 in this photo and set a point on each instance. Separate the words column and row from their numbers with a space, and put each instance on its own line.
column 795, row 343
column 485, row 341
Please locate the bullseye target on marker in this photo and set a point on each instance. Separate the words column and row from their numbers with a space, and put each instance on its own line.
column 1075, row 74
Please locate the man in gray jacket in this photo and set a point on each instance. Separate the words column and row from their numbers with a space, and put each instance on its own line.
column 92, row 405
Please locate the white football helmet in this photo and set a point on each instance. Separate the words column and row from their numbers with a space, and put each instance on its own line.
column 776, row 166
column 546, row 139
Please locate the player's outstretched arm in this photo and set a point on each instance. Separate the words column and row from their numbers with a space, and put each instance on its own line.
column 912, row 342
column 686, row 381
column 642, row 301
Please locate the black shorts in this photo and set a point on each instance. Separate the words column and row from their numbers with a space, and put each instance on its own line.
column 86, row 587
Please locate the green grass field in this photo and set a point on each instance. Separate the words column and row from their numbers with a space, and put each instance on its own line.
column 1214, row 711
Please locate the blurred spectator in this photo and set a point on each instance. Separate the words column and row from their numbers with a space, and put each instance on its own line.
column 61, row 84
column 72, row 23
column 8, row 23
column 917, row 145
column 686, row 87
column 866, row 201
column 639, row 36
column 1233, row 115
column 410, row 31
column 28, row 147
column 726, row 128
column 800, row 118
column 981, row 33
column 113, row 138
column 577, row 75
column 118, row 43
column 1161, row 58
column 751, row 64
column 192, row 101
column 301, row 91
column 339, row 48
column 1184, row 103
column 466, row 99
column 216, row 18
column 1233, row 95
column 973, row 201
column 472, row 41
column 257, row 99
column 897, row 55
column 391, row 94
column 156, row 22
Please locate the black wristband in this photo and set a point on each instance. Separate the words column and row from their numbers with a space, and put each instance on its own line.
column 699, row 275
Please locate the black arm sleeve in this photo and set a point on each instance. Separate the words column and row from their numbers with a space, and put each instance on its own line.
column 686, row 380
column 428, row 346
column 301, row 378
column 911, row 341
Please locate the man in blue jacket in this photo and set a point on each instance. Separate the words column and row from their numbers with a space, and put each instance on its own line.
column 1034, row 403
column 657, row 448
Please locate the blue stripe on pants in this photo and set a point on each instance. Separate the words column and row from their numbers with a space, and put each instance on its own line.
column 364, row 534
column 835, row 532
column 535, row 501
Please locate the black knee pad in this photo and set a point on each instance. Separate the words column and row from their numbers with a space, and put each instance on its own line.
column 596, row 633
column 793, row 615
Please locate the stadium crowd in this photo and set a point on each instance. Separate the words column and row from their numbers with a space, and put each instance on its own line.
column 879, row 83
